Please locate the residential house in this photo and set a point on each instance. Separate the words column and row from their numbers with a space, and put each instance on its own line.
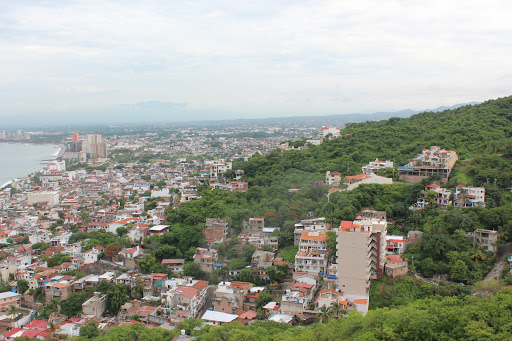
column 260, row 261
column 469, row 196
column 486, row 238
column 230, row 297
column 174, row 265
column 206, row 258
column 396, row 266
column 95, row 306
column 374, row 166
column 395, row 245
column 9, row 298
column 333, row 178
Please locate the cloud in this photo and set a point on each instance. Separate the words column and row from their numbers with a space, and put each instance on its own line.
column 265, row 58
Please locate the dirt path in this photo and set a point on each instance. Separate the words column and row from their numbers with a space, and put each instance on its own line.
column 499, row 262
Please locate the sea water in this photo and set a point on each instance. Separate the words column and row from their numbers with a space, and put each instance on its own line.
column 21, row 159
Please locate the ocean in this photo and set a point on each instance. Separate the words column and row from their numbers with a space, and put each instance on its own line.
column 20, row 159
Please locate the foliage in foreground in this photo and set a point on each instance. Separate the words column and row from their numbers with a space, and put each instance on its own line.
column 450, row 318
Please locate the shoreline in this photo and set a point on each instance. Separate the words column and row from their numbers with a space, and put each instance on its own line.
column 54, row 156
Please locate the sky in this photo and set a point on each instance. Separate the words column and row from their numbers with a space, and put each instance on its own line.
column 249, row 59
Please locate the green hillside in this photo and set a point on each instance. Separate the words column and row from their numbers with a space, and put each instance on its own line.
column 482, row 137
column 471, row 131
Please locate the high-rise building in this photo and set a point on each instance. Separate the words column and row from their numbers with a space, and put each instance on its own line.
column 361, row 252
column 95, row 147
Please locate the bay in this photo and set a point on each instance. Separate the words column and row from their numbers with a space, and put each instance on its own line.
column 20, row 159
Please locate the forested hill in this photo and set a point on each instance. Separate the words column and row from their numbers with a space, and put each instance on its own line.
column 469, row 130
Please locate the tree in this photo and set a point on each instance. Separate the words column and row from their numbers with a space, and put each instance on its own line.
column 263, row 298
column 117, row 295
column 332, row 244
column 13, row 310
column 138, row 289
column 337, row 310
column 22, row 286
column 431, row 196
column 237, row 263
column 222, row 249
column 232, row 253
column 90, row 330
column 248, row 251
column 149, row 264
column 84, row 216
column 101, row 287
column 459, row 271
column 190, row 324
column 72, row 306
column 58, row 259
column 275, row 275
column 121, row 231
column 51, row 329
column 324, row 314
column 246, row 275
column 192, row 269
column 5, row 287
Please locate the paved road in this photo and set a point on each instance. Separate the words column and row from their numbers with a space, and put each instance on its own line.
column 209, row 300
column 499, row 262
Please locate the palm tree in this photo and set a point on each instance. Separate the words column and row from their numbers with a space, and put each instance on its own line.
column 51, row 329
column 13, row 310
column 477, row 255
column 337, row 309
column 323, row 314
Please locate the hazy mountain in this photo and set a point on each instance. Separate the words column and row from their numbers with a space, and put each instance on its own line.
column 152, row 112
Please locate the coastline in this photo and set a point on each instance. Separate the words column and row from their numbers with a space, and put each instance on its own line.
column 54, row 156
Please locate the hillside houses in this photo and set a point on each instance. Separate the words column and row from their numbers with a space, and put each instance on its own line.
column 433, row 161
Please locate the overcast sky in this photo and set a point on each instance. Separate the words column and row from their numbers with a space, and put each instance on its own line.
column 252, row 58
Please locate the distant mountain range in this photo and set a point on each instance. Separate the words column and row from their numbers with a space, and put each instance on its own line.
column 333, row 120
column 176, row 114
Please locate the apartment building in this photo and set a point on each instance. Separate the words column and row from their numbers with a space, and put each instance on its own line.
column 326, row 130
column 361, row 252
column 216, row 230
column 433, row 161
column 312, row 254
column 314, row 225
column 217, row 168
column 174, row 265
column 49, row 197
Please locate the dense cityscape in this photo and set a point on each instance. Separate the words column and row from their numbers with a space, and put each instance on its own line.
column 107, row 235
